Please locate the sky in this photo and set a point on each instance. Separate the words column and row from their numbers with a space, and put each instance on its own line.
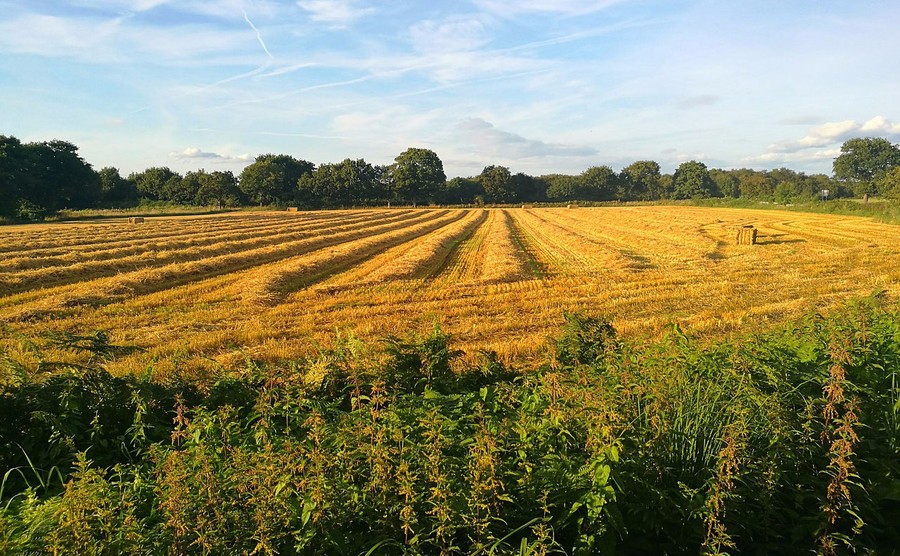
column 539, row 86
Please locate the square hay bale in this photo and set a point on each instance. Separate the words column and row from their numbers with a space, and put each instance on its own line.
column 135, row 219
column 292, row 209
column 746, row 235
column 527, row 206
column 572, row 206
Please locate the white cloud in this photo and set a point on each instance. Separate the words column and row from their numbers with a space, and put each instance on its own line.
column 880, row 124
column 831, row 133
column 196, row 153
column 488, row 140
column 339, row 13
column 770, row 158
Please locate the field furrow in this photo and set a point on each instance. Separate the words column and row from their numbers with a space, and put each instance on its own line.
column 87, row 251
column 278, row 285
column 15, row 282
column 414, row 259
column 106, row 290
column 569, row 250
column 268, row 285
column 503, row 260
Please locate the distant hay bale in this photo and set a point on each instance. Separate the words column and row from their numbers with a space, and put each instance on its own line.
column 135, row 219
column 527, row 206
column 572, row 206
column 292, row 209
column 746, row 235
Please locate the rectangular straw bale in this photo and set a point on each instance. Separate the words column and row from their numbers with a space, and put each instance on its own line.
column 746, row 235
column 292, row 209
column 135, row 219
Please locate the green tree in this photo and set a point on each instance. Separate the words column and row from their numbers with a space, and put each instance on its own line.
column 726, row 182
column 116, row 191
column 183, row 191
column 561, row 187
column 528, row 188
column 692, row 181
column 497, row 184
column 347, row 183
column 219, row 189
column 640, row 181
column 863, row 161
column 461, row 191
column 597, row 183
column 13, row 175
column 273, row 178
column 417, row 175
column 889, row 184
column 61, row 178
column 152, row 182
column 753, row 184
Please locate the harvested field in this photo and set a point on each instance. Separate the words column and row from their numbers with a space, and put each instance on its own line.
column 278, row 285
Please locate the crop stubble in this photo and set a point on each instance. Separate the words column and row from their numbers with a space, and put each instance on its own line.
column 205, row 291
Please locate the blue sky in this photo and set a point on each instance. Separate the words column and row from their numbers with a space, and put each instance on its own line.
column 538, row 86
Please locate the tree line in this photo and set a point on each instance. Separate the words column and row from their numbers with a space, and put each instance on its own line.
column 40, row 178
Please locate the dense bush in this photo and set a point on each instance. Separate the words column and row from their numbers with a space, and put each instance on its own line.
column 781, row 443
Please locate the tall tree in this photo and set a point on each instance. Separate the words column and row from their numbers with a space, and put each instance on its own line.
column 219, row 189
column 116, row 191
column 152, row 182
column 864, row 160
column 273, row 178
column 497, row 184
column 561, row 187
column 417, row 175
column 13, row 175
column 692, row 181
column 346, row 183
column 183, row 191
column 62, row 179
column 528, row 188
column 597, row 183
column 461, row 191
column 640, row 181
column 727, row 182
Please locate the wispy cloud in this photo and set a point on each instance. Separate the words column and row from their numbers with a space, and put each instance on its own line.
column 697, row 101
column 560, row 7
column 259, row 38
column 339, row 13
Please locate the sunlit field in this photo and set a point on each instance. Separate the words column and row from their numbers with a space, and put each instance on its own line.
column 202, row 292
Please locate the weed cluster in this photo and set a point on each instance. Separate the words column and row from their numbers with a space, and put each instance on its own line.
column 785, row 442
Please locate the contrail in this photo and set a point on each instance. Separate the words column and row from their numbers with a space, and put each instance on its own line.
column 258, row 35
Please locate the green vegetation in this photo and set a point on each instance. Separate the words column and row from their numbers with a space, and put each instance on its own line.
column 786, row 442
column 38, row 180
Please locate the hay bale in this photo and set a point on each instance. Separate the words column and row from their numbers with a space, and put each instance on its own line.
column 572, row 206
column 527, row 206
column 135, row 219
column 746, row 235
column 292, row 209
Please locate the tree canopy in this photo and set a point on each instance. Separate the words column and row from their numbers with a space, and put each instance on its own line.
column 40, row 178
column 692, row 181
column 417, row 175
column 863, row 161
